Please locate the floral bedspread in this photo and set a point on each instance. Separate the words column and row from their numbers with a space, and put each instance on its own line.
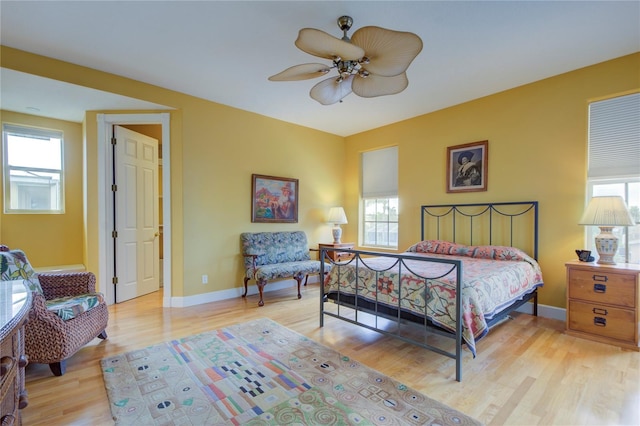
column 493, row 278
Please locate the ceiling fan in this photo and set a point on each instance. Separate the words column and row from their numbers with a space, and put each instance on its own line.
column 372, row 63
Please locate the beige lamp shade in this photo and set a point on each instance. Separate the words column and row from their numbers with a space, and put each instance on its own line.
column 607, row 212
column 337, row 217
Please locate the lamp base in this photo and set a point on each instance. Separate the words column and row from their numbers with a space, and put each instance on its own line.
column 606, row 245
column 337, row 234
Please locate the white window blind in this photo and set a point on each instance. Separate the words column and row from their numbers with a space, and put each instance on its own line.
column 614, row 137
column 380, row 173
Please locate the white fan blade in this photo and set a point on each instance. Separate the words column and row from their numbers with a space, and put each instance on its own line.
column 390, row 52
column 301, row 72
column 329, row 91
column 323, row 45
column 376, row 85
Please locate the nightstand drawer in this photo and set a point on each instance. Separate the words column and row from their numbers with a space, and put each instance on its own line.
column 607, row 321
column 599, row 287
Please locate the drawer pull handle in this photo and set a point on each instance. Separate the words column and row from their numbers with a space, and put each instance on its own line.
column 600, row 311
column 599, row 288
column 599, row 321
column 602, row 278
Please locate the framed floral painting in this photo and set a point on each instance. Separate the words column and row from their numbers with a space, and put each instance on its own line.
column 274, row 199
column 467, row 167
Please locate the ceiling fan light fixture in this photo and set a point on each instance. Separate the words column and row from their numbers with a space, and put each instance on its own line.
column 378, row 55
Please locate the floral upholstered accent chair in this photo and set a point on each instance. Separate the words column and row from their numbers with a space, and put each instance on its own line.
column 66, row 314
column 277, row 255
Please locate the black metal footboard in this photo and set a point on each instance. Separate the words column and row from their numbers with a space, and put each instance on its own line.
column 399, row 264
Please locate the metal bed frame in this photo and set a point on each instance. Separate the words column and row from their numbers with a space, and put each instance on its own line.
column 472, row 224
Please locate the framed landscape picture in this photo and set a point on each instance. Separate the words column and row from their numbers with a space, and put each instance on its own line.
column 467, row 167
column 274, row 199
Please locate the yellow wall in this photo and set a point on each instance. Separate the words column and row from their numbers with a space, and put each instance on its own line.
column 50, row 239
column 537, row 150
column 537, row 137
column 214, row 151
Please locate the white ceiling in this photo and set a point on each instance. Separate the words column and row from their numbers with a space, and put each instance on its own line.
column 224, row 51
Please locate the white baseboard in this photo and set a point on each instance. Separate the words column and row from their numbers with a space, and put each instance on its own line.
column 215, row 296
column 60, row 269
column 545, row 311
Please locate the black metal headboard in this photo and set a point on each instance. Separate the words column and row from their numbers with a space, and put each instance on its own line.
column 510, row 224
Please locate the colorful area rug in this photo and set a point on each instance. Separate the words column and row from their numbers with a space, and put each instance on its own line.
column 259, row 373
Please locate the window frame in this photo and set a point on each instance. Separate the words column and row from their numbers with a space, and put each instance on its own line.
column 35, row 133
column 379, row 183
column 377, row 222
column 592, row 231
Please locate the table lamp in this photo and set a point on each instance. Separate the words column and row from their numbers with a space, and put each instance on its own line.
column 607, row 213
column 337, row 217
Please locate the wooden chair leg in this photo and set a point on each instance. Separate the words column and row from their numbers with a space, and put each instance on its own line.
column 298, row 278
column 261, row 283
column 58, row 368
column 245, row 286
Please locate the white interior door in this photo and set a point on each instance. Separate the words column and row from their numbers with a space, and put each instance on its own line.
column 137, row 263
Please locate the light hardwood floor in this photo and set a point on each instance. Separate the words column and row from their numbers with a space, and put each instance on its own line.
column 527, row 372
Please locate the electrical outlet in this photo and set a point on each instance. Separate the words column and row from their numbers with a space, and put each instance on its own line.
column 205, row 279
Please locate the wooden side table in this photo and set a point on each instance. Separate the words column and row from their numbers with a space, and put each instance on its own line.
column 603, row 302
column 336, row 255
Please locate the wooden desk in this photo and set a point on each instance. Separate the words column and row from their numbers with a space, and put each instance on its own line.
column 15, row 303
column 337, row 256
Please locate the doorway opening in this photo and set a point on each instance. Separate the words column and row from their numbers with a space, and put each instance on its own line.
column 105, row 199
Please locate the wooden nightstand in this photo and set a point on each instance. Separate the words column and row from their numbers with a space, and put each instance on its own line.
column 337, row 256
column 603, row 302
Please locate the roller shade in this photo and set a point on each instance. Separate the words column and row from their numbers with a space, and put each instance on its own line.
column 380, row 173
column 614, row 137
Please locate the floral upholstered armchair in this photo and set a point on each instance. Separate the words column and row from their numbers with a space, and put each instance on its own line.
column 67, row 313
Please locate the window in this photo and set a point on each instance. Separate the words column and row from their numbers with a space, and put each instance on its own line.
column 33, row 173
column 380, row 198
column 381, row 222
column 614, row 165
column 628, row 237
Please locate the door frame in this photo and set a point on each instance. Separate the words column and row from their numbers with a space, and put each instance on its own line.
column 105, row 199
